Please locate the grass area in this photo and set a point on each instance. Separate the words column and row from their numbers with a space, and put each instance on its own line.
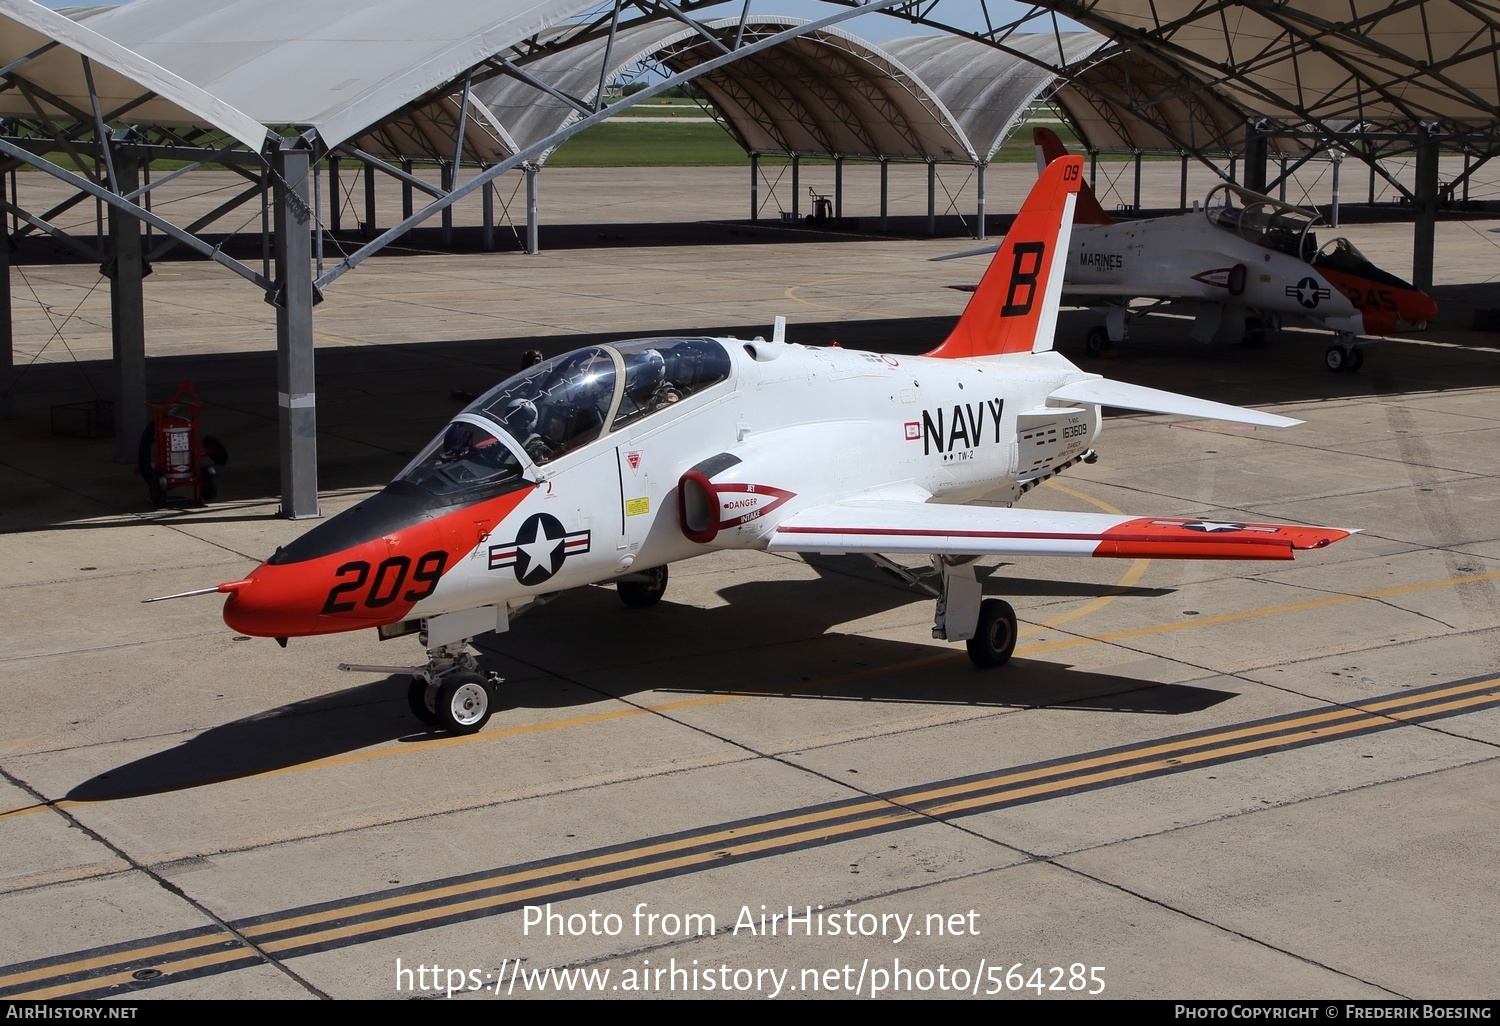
column 699, row 144
column 617, row 144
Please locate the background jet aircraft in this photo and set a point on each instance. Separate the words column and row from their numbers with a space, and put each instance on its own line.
column 1245, row 260
column 609, row 463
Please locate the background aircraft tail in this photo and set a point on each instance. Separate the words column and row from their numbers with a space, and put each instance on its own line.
column 1014, row 306
column 1048, row 148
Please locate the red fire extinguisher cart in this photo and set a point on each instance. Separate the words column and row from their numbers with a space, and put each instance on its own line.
column 173, row 449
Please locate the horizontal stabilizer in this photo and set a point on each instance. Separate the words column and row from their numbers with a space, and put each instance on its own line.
column 1102, row 392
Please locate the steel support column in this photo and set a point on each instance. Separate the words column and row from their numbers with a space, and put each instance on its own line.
column 1425, row 204
column 1338, row 162
column 931, row 197
column 487, row 232
column 127, row 313
column 448, row 174
column 838, row 189
column 755, row 186
column 1182, row 196
column 796, row 185
column 979, row 179
column 1255, row 157
column 335, row 206
column 1136, row 202
column 370, row 231
column 533, row 239
column 7, row 332
column 885, row 194
column 406, row 165
column 296, row 389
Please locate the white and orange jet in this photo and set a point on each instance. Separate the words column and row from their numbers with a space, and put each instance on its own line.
column 1245, row 261
column 610, row 463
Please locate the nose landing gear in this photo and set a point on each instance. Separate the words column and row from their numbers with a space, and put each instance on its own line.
column 1344, row 355
column 450, row 692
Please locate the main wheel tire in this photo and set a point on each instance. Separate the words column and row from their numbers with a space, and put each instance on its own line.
column 1096, row 341
column 463, row 703
column 995, row 639
column 1356, row 359
column 640, row 594
column 421, row 697
column 1336, row 358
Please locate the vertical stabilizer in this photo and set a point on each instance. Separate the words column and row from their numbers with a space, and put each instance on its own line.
column 1014, row 307
column 1048, row 148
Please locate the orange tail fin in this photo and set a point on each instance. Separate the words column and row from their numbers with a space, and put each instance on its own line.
column 1014, row 307
column 1048, row 148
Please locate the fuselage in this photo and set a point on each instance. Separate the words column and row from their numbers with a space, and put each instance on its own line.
column 1264, row 267
column 621, row 458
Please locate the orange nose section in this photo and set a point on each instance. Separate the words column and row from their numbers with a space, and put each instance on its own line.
column 292, row 601
column 1417, row 307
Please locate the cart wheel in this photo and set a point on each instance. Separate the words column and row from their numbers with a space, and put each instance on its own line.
column 208, row 484
column 215, row 450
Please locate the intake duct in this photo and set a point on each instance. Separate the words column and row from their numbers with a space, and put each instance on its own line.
column 698, row 500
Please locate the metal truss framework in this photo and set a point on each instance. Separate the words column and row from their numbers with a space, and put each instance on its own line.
column 1313, row 71
column 1335, row 69
column 283, row 174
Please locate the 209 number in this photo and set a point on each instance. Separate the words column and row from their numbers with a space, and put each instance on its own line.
column 385, row 584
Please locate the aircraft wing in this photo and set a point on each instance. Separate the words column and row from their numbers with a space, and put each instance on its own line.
column 894, row 526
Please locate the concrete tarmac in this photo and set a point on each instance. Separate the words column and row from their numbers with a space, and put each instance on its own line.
column 1194, row 780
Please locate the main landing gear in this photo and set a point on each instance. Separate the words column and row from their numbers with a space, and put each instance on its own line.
column 643, row 589
column 450, row 692
column 987, row 627
column 1344, row 355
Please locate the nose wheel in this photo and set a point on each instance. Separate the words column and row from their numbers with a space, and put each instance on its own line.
column 1344, row 358
column 463, row 703
column 450, row 692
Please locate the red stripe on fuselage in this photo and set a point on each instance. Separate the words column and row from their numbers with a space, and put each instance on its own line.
column 366, row 585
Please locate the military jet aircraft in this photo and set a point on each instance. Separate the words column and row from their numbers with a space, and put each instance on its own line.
column 1246, row 261
column 607, row 464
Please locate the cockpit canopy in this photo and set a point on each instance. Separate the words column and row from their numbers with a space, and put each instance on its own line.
column 561, row 404
column 1264, row 221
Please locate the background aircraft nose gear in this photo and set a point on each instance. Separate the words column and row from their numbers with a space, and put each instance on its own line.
column 1344, row 356
column 450, row 692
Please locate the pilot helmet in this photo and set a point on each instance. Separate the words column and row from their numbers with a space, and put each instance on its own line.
column 521, row 417
column 646, row 373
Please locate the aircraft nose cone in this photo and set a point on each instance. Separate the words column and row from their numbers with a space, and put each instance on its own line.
column 1422, row 307
column 272, row 603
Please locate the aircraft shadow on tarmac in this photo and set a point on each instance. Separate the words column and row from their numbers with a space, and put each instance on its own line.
column 772, row 638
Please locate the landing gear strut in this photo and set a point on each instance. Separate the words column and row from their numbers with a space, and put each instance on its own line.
column 643, row 589
column 450, row 692
column 986, row 626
